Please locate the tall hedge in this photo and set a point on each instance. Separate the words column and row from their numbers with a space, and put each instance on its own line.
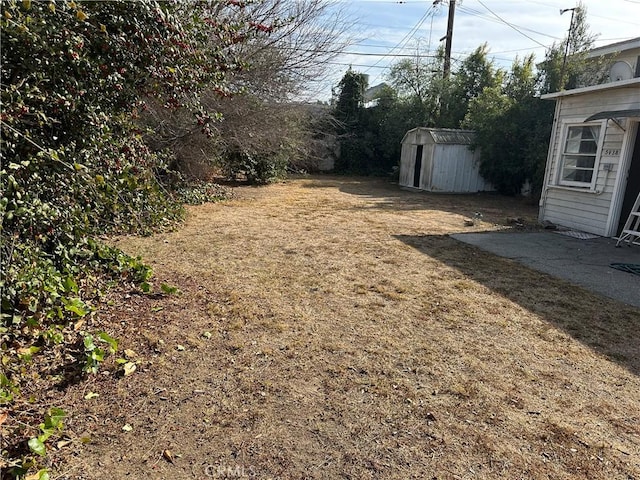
column 75, row 75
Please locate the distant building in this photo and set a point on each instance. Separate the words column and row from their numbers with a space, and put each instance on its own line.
column 370, row 96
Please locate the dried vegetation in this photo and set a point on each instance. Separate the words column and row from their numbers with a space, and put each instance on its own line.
column 329, row 328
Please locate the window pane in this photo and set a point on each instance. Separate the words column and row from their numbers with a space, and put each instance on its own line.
column 577, row 175
column 582, row 139
column 585, row 162
column 593, row 132
column 584, row 176
column 588, row 146
column 570, row 162
column 573, row 146
column 579, row 161
column 580, row 149
column 583, row 133
column 569, row 174
column 575, row 133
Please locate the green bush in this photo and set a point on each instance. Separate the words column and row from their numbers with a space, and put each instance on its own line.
column 74, row 164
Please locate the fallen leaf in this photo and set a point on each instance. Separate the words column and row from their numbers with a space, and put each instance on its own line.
column 27, row 350
column 180, row 348
column 63, row 443
column 129, row 368
column 37, row 446
column 130, row 354
column 3, row 417
column 41, row 475
column 91, row 395
column 168, row 456
column 127, row 428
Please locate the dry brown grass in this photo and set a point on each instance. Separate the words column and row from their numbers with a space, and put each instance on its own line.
column 352, row 338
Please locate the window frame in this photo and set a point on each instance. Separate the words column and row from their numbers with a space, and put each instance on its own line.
column 566, row 126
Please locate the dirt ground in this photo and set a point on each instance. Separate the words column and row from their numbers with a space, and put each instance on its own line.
column 329, row 328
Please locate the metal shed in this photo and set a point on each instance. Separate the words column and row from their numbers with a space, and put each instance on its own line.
column 439, row 160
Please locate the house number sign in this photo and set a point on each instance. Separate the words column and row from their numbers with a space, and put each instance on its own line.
column 611, row 152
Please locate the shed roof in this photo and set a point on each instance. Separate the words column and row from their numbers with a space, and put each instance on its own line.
column 446, row 136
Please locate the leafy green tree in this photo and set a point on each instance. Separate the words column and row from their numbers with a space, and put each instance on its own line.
column 497, row 140
column 387, row 122
column 355, row 148
column 420, row 88
column 350, row 98
column 513, row 127
column 559, row 71
column 475, row 73
column 411, row 77
column 511, row 124
column 521, row 80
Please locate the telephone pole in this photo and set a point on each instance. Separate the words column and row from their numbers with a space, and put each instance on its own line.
column 449, row 37
column 566, row 47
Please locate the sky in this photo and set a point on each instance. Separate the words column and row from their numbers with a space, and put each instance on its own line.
column 383, row 30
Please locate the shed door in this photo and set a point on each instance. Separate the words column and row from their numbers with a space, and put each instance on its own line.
column 417, row 169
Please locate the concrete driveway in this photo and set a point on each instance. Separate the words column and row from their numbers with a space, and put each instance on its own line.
column 581, row 262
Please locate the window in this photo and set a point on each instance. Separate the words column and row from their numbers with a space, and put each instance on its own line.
column 579, row 155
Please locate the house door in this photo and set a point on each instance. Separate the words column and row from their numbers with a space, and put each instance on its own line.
column 417, row 169
column 633, row 184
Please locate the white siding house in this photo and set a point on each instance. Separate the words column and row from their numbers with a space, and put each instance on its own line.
column 620, row 53
column 592, row 174
column 439, row 160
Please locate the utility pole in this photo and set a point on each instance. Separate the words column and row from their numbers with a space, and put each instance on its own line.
column 449, row 37
column 566, row 47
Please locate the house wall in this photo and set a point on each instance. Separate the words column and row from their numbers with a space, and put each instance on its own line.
column 587, row 210
column 629, row 56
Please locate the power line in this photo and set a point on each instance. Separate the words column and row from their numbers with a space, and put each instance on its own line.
column 364, row 54
column 591, row 14
column 410, row 34
column 400, row 55
column 478, row 13
column 374, row 45
column 357, row 65
column 381, row 1
column 510, row 25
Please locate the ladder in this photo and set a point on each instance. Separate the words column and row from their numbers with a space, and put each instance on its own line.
column 631, row 231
